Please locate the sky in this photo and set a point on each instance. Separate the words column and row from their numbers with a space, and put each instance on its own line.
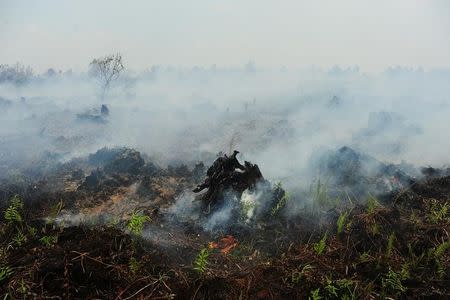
column 291, row 33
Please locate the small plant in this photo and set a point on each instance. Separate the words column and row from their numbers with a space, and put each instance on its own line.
column 341, row 222
column 315, row 295
column 331, row 289
column 413, row 260
column 281, row 203
column 438, row 252
column 134, row 265
column 341, row 289
column 297, row 275
column 438, row 212
column 372, row 204
column 23, row 288
column 365, row 256
column 20, row 238
column 390, row 244
column 49, row 240
column 374, row 229
column 320, row 246
column 136, row 223
column 54, row 211
column 405, row 271
column 321, row 194
column 201, row 261
column 441, row 271
column 5, row 272
column 13, row 212
column 393, row 282
column 32, row 231
column 441, row 249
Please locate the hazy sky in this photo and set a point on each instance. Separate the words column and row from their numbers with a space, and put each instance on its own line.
column 372, row 34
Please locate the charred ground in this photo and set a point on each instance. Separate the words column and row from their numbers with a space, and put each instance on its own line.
column 103, row 227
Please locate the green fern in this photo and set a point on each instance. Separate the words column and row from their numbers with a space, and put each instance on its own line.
column 49, row 240
column 13, row 212
column 321, row 195
column 297, row 275
column 5, row 272
column 372, row 204
column 32, row 231
column 281, row 203
column 341, row 222
column 438, row 212
column 137, row 222
column 441, row 249
column 134, row 265
column 201, row 261
column 331, row 289
column 315, row 295
column 390, row 244
column 320, row 246
column 393, row 282
column 20, row 238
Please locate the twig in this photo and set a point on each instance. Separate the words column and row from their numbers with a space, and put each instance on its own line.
column 135, row 294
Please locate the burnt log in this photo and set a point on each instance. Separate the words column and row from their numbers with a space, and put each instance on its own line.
column 227, row 174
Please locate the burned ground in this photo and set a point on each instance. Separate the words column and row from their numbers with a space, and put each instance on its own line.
column 72, row 238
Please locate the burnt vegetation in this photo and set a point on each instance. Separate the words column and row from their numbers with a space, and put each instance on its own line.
column 102, row 227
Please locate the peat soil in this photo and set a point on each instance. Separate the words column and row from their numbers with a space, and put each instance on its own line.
column 65, row 235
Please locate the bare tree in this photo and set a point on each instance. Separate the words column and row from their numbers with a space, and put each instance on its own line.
column 106, row 70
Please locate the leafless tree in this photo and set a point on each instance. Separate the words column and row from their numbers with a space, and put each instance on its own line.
column 106, row 70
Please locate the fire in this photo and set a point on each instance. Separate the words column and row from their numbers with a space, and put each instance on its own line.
column 225, row 245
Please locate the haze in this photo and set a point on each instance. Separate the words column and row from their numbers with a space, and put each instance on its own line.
column 371, row 34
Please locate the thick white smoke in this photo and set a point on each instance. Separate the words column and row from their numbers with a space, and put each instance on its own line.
column 276, row 118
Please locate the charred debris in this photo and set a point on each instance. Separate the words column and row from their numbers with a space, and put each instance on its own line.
column 113, row 225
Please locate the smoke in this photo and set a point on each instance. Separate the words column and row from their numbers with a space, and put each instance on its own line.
column 221, row 217
column 276, row 118
column 249, row 201
column 185, row 207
